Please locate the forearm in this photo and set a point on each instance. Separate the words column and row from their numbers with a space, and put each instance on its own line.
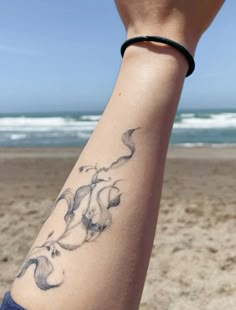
column 109, row 273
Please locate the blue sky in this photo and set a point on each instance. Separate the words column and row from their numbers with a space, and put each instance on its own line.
column 59, row 55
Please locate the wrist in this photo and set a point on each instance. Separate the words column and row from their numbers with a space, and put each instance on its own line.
column 167, row 42
column 184, row 38
column 155, row 55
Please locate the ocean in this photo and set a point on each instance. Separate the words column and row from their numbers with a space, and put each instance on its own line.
column 191, row 128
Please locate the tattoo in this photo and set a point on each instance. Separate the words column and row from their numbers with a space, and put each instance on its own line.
column 88, row 215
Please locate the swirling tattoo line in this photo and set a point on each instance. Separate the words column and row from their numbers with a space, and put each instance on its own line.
column 89, row 208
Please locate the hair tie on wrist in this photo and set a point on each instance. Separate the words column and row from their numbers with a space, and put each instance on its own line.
column 166, row 41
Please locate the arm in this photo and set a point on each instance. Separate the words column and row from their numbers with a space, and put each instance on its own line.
column 93, row 251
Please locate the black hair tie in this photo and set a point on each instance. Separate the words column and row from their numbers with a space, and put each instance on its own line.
column 166, row 41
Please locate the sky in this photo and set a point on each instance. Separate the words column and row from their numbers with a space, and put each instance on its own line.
column 60, row 55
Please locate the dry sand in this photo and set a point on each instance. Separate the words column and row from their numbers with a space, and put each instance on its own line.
column 193, row 263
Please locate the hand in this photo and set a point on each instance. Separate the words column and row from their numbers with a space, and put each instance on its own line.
column 181, row 20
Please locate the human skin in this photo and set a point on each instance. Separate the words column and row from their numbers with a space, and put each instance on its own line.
column 109, row 272
column 182, row 21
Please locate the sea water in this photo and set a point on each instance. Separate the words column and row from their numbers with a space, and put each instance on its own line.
column 191, row 128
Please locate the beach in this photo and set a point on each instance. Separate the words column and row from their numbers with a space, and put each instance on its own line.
column 193, row 262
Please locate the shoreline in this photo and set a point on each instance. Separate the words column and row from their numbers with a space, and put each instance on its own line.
column 194, row 152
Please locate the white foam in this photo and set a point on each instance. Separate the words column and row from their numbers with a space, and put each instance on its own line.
column 191, row 144
column 214, row 121
column 90, row 117
column 83, row 135
column 17, row 136
column 199, row 144
column 47, row 124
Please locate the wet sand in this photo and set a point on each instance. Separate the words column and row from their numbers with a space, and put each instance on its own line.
column 193, row 263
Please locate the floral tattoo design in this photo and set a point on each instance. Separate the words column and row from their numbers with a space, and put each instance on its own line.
column 88, row 214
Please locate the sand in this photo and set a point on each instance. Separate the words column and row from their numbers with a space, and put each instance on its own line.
column 193, row 263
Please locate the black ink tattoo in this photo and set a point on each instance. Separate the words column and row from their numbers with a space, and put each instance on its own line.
column 88, row 209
